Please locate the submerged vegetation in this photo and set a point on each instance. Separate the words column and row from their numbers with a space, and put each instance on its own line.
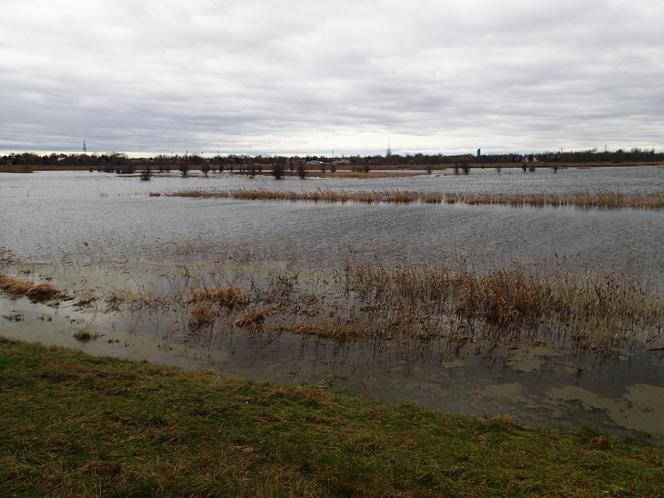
column 77, row 425
column 227, row 296
column 605, row 200
column 422, row 302
column 594, row 309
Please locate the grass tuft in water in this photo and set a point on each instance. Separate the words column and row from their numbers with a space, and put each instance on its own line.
column 36, row 292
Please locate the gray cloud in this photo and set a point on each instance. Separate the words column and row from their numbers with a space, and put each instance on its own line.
column 315, row 76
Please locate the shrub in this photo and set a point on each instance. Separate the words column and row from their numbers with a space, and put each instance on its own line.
column 277, row 171
column 301, row 171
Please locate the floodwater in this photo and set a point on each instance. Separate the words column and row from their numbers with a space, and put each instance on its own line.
column 94, row 231
column 81, row 216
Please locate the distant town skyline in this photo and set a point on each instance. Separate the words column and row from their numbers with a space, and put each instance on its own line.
column 315, row 77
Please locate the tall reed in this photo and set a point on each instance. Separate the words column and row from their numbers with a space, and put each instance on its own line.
column 511, row 297
column 605, row 200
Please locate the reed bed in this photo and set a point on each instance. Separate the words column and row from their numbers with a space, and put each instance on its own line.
column 202, row 314
column 454, row 303
column 512, row 298
column 133, row 301
column 587, row 200
column 226, row 297
column 251, row 319
column 36, row 292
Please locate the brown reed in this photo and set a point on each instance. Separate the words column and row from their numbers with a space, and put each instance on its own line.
column 587, row 200
column 202, row 314
column 134, row 301
column 251, row 319
column 509, row 298
column 227, row 297
column 36, row 292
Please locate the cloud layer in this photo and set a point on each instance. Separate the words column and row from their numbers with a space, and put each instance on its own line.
column 312, row 76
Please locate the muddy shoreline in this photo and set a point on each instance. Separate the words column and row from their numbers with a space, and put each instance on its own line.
column 540, row 383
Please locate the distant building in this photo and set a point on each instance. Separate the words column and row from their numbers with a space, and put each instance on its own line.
column 479, row 152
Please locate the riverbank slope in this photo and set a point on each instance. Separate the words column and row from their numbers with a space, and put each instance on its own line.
column 79, row 425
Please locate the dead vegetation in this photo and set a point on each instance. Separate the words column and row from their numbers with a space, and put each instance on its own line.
column 453, row 303
column 201, row 306
column 251, row 319
column 202, row 314
column 324, row 329
column 208, row 302
column 586, row 200
column 227, row 297
column 42, row 292
column 87, row 300
column 123, row 298
column 588, row 307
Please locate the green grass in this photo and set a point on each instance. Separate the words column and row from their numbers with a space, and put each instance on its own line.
column 73, row 424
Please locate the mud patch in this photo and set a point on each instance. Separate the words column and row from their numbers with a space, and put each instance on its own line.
column 641, row 408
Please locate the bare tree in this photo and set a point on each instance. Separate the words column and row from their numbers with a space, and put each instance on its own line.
column 301, row 171
column 146, row 174
column 277, row 171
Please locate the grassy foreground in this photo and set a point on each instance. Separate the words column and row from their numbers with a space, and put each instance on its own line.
column 73, row 424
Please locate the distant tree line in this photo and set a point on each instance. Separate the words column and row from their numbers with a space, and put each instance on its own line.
column 121, row 163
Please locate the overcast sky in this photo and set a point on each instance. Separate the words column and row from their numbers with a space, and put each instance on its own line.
column 293, row 76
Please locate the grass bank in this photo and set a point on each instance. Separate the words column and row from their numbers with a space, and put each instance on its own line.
column 586, row 200
column 79, row 425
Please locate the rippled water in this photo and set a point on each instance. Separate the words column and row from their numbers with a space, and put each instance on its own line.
column 79, row 215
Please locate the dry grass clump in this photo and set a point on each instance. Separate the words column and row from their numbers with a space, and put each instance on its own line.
column 36, row 292
column 202, row 314
column 119, row 298
column 42, row 292
column 331, row 196
column 227, row 297
column 329, row 330
column 251, row 319
column 510, row 298
column 587, row 200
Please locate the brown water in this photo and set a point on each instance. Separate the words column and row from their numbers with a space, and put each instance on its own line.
column 100, row 232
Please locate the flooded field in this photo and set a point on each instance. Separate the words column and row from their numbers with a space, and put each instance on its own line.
column 127, row 265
